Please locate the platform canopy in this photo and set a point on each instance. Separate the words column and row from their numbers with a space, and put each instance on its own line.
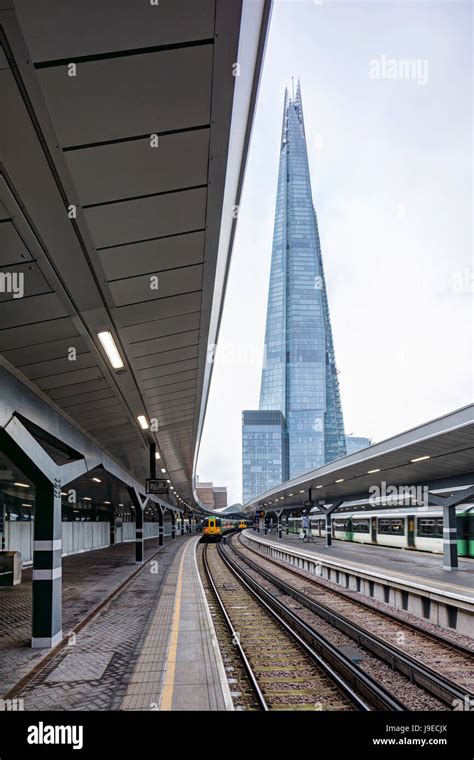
column 438, row 454
column 123, row 145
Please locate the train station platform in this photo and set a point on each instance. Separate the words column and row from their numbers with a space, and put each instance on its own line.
column 180, row 666
column 89, row 580
column 149, row 646
column 407, row 580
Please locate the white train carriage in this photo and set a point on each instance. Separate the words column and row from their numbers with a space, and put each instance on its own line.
column 412, row 527
column 418, row 528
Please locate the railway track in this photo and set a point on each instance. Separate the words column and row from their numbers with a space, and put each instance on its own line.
column 289, row 665
column 443, row 668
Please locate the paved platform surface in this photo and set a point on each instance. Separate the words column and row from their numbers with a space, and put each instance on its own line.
column 88, row 578
column 179, row 666
column 408, row 566
column 151, row 647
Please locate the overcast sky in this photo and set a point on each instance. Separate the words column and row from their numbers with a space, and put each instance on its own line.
column 391, row 170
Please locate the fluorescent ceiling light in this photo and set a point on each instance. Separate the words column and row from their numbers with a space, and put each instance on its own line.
column 339, row 480
column 319, row 486
column 163, row 470
column 143, row 421
column 420, row 459
column 371, row 472
column 157, row 455
column 106, row 502
column 26, row 505
column 21, row 485
column 87, row 498
column 110, row 348
column 97, row 480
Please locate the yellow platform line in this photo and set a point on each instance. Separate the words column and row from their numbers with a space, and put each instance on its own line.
column 168, row 684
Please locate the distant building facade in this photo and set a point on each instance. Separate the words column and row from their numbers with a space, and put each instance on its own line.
column 356, row 443
column 211, row 496
column 264, row 451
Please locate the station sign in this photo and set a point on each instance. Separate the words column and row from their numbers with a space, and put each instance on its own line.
column 156, row 486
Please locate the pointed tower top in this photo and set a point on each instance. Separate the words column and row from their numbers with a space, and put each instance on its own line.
column 298, row 103
column 284, row 126
column 298, row 92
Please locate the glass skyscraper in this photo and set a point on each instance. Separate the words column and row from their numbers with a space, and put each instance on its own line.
column 299, row 377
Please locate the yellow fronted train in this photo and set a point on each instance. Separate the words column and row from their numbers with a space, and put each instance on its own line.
column 213, row 528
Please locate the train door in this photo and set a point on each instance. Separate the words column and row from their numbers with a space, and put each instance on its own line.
column 411, row 531
column 373, row 529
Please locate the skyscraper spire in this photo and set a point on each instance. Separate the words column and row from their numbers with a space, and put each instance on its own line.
column 284, row 125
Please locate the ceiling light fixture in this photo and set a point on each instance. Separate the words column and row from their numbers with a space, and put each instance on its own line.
column 21, row 485
column 108, row 344
column 143, row 422
column 420, row 459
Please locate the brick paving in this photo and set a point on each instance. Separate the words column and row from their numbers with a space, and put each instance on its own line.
column 88, row 578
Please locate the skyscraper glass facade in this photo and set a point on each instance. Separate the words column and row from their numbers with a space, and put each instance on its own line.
column 356, row 443
column 264, row 451
column 299, row 377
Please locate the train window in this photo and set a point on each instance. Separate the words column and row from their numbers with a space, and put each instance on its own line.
column 360, row 526
column 341, row 524
column 391, row 525
column 430, row 527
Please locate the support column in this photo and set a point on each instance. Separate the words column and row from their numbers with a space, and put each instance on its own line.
column 161, row 527
column 139, row 538
column 47, row 566
column 182, row 524
column 287, row 526
column 112, row 529
column 278, row 516
column 173, row 524
column 327, row 514
column 328, row 529
column 46, row 620
column 450, row 543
